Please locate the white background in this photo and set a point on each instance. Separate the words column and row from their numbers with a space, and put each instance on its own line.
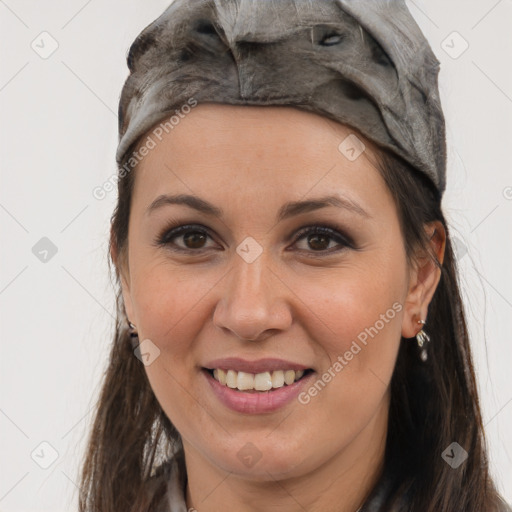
column 58, row 138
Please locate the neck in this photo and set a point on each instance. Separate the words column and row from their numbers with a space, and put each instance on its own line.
column 341, row 483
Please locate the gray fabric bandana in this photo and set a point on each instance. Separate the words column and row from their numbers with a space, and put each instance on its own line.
column 365, row 64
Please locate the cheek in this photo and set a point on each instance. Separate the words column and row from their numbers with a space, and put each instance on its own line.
column 356, row 301
column 170, row 304
column 360, row 312
column 359, row 335
column 168, row 300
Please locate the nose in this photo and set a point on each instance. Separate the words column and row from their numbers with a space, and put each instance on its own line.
column 254, row 303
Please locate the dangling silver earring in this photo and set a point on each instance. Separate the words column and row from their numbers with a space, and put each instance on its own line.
column 422, row 338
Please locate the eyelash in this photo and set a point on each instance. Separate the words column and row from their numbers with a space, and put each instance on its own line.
column 327, row 229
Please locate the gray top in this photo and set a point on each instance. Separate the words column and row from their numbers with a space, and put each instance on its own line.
column 364, row 64
column 173, row 472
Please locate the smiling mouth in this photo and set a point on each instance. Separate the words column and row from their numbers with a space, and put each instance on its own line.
column 259, row 382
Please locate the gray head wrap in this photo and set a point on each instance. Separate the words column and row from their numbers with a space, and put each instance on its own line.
column 362, row 63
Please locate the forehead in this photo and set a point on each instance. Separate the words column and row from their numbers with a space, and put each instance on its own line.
column 225, row 149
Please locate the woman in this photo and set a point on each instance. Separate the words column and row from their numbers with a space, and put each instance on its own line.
column 279, row 245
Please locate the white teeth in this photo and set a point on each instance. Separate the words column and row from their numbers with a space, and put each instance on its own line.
column 289, row 377
column 221, row 376
column 231, row 378
column 245, row 381
column 278, row 379
column 260, row 381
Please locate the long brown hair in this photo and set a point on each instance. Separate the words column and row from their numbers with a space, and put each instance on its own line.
column 433, row 403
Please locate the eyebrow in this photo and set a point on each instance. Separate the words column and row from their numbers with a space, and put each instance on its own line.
column 288, row 210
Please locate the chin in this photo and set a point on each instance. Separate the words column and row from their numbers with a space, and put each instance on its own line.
column 260, row 460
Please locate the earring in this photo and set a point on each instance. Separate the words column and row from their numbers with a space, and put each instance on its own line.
column 422, row 338
column 134, row 335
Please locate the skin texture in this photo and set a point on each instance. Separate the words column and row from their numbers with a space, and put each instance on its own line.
column 290, row 303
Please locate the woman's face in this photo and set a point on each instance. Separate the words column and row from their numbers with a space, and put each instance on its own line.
column 248, row 281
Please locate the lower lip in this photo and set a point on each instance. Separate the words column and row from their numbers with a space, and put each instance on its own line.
column 260, row 401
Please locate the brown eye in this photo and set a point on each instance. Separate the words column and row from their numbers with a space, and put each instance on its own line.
column 318, row 242
column 318, row 239
column 194, row 239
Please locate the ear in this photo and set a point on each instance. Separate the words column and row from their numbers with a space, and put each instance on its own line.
column 120, row 260
column 423, row 281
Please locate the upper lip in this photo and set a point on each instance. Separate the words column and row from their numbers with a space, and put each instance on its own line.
column 257, row 366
